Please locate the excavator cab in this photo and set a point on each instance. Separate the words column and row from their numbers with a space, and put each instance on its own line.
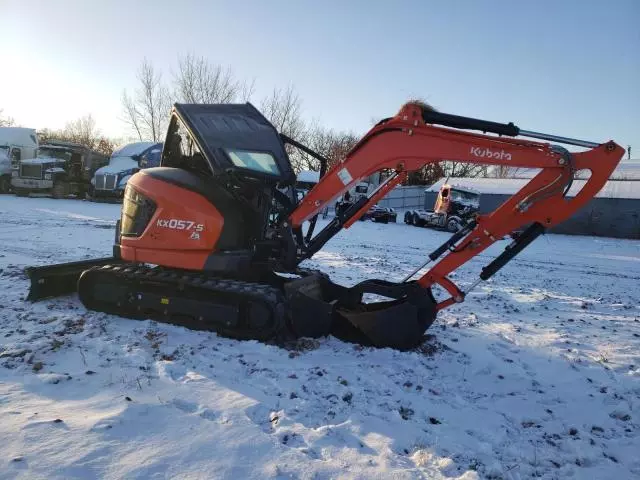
column 228, row 140
column 224, row 171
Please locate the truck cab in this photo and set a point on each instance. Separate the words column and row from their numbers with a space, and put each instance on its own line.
column 59, row 169
column 109, row 181
column 16, row 144
column 453, row 207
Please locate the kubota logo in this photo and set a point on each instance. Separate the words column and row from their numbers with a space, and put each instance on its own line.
column 488, row 153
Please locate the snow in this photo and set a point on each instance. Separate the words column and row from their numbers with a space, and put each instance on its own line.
column 537, row 374
column 117, row 165
column 132, row 149
column 41, row 160
column 509, row 186
column 122, row 158
column 627, row 170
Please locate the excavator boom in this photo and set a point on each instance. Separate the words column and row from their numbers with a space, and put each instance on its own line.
column 411, row 140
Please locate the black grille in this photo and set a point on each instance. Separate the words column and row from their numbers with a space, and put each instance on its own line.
column 31, row 171
column 137, row 211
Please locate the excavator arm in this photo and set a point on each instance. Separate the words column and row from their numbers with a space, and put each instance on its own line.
column 411, row 140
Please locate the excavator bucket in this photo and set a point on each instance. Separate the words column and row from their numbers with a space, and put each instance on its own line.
column 320, row 307
column 60, row 279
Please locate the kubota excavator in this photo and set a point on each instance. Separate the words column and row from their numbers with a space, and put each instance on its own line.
column 213, row 238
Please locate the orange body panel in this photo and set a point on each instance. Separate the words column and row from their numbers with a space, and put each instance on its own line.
column 442, row 204
column 183, row 231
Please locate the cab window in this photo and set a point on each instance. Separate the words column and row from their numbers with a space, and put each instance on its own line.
column 16, row 154
column 182, row 152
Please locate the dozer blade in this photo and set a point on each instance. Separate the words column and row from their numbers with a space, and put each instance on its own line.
column 319, row 307
column 60, row 279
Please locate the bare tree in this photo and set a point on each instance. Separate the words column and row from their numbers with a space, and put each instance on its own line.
column 83, row 131
column 427, row 175
column 460, row 169
column 503, row 171
column 283, row 109
column 147, row 111
column 332, row 145
column 6, row 121
column 200, row 81
column 247, row 90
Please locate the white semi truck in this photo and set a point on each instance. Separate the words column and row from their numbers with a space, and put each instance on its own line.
column 16, row 144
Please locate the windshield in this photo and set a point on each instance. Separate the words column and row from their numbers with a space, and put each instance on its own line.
column 467, row 197
column 257, row 161
column 44, row 152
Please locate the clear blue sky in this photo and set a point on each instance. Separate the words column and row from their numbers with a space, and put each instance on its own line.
column 569, row 67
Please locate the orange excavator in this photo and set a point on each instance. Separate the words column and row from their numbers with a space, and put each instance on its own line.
column 213, row 239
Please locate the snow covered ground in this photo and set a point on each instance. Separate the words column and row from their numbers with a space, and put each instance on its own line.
column 536, row 375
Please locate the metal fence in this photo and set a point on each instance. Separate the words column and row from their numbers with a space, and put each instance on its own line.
column 402, row 198
column 601, row 217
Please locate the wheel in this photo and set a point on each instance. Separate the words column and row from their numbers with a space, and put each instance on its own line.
column 58, row 190
column 453, row 225
column 384, row 220
column 417, row 221
column 408, row 218
column 5, row 184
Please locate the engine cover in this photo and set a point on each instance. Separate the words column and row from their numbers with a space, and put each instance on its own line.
column 166, row 221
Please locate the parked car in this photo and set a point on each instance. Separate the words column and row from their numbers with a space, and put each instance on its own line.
column 109, row 181
column 59, row 169
column 381, row 214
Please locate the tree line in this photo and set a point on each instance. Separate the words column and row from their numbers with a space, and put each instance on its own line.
column 145, row 112
column 197, row 80
column 83, row 131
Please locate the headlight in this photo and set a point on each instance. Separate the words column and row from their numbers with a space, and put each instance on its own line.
column 47, row 176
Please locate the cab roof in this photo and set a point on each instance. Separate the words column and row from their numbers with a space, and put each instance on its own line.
column 217, row 128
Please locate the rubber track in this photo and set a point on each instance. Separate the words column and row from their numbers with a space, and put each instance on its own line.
column 175, row 285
